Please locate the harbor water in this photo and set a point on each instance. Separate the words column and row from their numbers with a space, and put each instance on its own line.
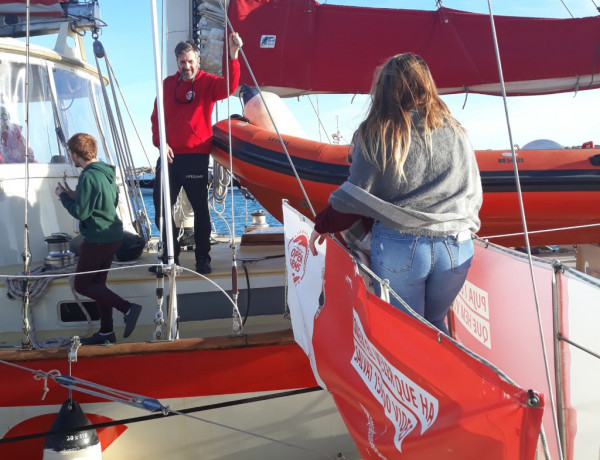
column 221, row 220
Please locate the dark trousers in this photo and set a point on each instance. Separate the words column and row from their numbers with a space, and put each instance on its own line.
column 99, row 256
column 189, row 171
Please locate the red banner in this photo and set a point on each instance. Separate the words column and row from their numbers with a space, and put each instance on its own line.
column 400, row 385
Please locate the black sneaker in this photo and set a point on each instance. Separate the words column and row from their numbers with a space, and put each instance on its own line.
column 131, row 318
column 203, row 266
column 99, row 339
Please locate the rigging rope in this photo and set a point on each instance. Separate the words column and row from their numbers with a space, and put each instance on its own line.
column 282, row 143
column 149, row 404
column 238, row 325
column 526, row 233
column 134, row 125
column 141, row 215
column 25, row 307
column 566, row 8
column 40, row 279
column 320, row 122
column 121, row 146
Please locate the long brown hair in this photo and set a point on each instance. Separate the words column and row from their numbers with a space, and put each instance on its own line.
column 401, row 85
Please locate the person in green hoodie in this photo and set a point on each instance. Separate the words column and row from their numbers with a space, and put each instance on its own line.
column 93, row 203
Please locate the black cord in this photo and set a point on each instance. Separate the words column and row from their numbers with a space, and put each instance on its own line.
column 145, row 418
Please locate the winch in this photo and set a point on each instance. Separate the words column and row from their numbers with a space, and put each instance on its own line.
column 259, row 220
column 59, row 255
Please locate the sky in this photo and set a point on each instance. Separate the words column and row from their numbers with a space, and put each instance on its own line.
column 567, row 118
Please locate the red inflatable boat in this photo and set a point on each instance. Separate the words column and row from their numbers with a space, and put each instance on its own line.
column 561, row 188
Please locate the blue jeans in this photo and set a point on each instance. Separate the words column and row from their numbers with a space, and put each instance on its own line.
column 426, row 272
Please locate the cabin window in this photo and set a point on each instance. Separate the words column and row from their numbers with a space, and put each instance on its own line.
column 81, row 109
column 42, row 144
column 70, row 312
column 78, row 107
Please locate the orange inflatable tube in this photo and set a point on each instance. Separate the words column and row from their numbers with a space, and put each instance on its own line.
column 560, row 188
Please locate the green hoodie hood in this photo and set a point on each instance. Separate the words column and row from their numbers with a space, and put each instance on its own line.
column 109, row 171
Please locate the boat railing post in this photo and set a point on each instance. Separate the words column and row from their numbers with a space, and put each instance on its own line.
column 385, row 290
column 558, row 268
column 173, row 317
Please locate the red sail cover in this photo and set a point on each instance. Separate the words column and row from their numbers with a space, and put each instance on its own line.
column 296, row 46
column 400, row 385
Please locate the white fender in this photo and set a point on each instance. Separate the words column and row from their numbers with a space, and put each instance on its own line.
column 80, row 445
column 255, row 111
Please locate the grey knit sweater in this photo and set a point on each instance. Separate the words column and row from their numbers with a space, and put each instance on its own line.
column 440, row 193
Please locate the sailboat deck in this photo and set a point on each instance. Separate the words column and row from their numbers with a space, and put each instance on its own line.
column 204, row 308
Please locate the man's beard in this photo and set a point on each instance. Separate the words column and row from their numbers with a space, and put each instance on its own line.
column 188, row 74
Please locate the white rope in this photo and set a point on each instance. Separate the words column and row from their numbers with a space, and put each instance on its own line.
column 37, row 374
column 37, row 286
column 549, row 230
column 220, row 183
column 220, row 191
column 39, row 278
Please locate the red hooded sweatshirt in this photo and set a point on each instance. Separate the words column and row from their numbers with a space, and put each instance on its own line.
column 189, row 126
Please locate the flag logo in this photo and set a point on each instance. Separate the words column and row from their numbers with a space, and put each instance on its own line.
column 298, row 251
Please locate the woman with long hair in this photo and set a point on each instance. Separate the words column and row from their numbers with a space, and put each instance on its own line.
column 414, row 175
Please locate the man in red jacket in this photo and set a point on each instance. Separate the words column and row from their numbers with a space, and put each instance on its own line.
column 189, row 97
